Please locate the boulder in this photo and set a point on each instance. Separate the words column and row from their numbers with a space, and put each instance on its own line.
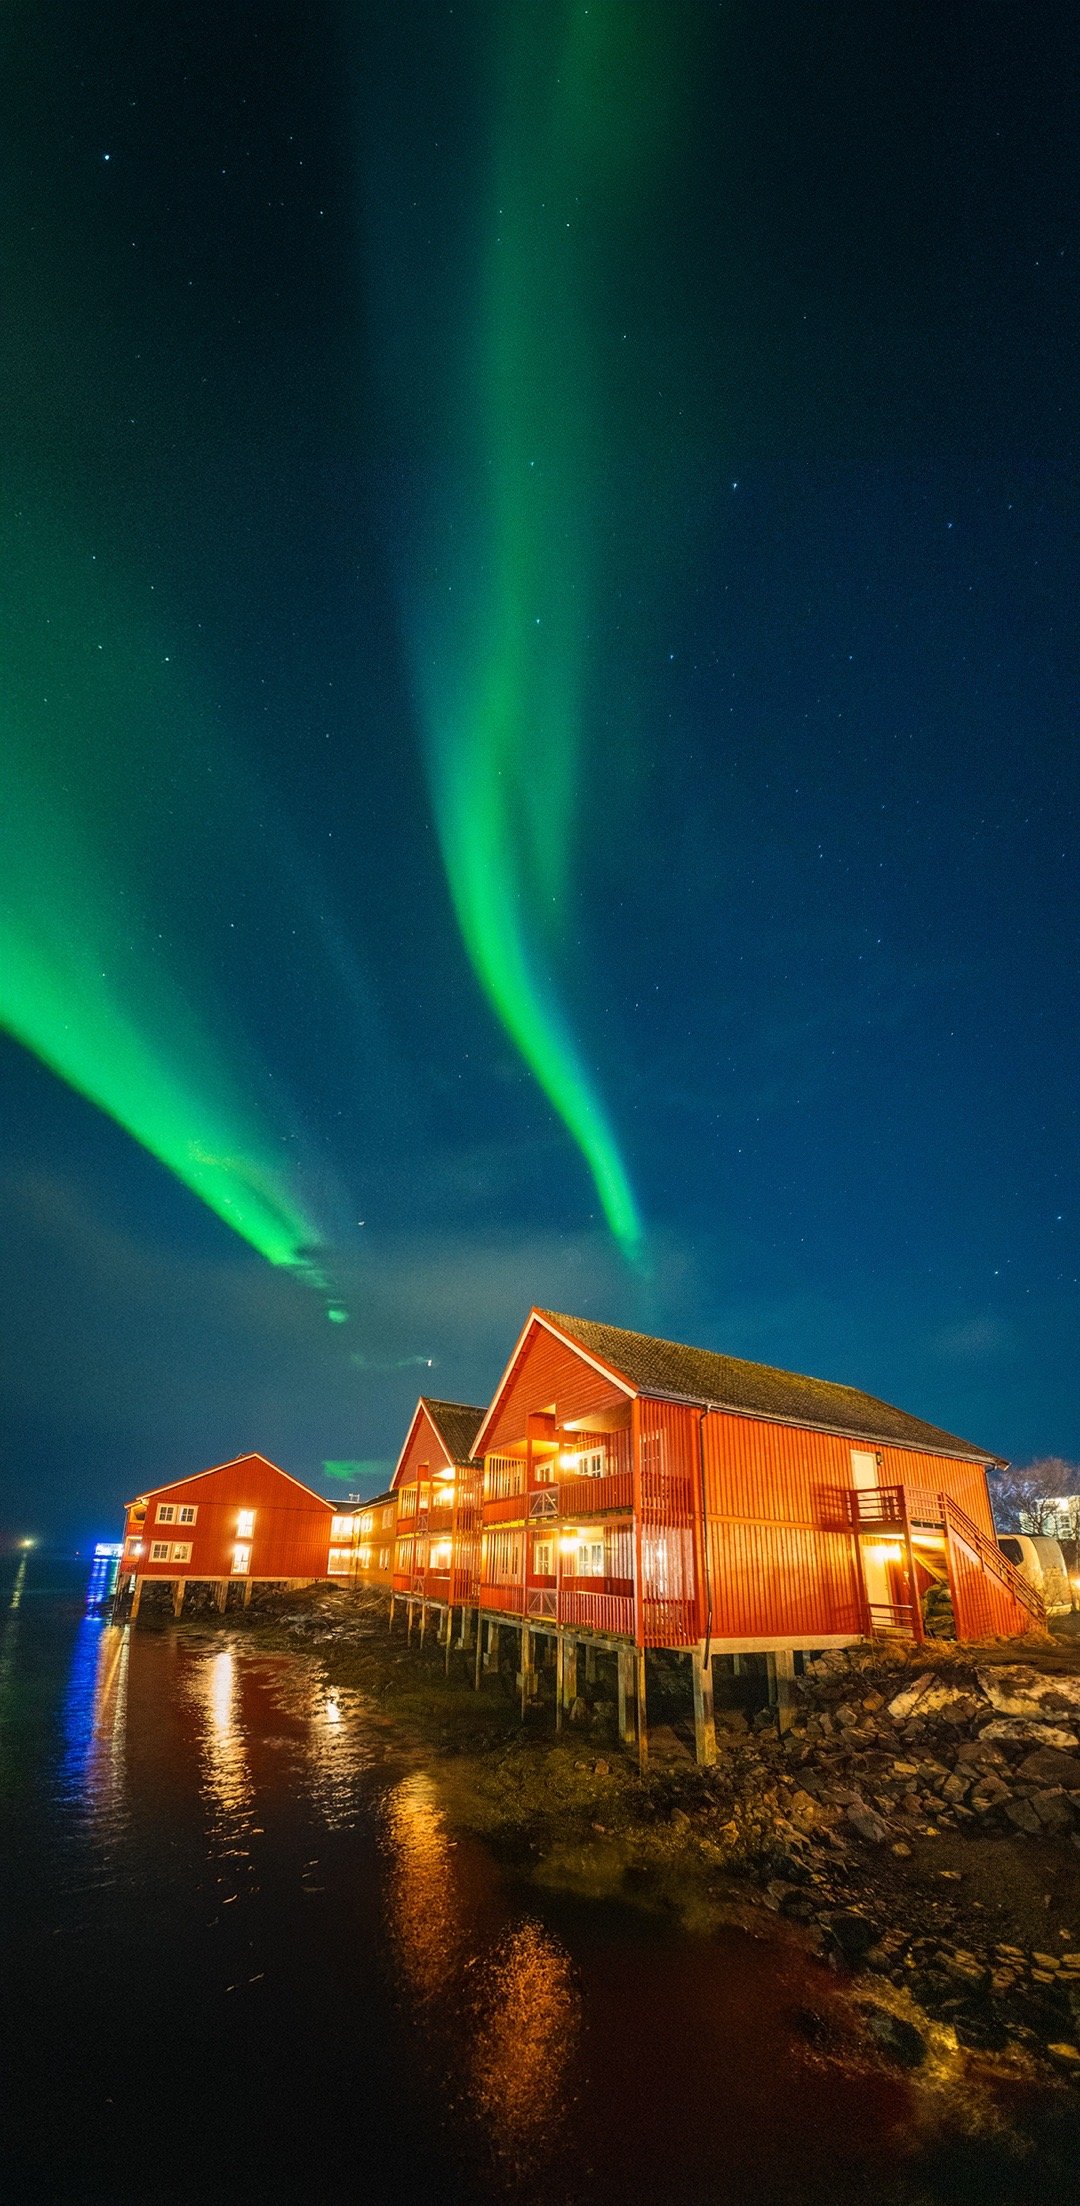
column 1022, row 1814
column 867, row 1824
column 1049, row 1766
column 1017, row 1690
column 1015, row 1732
column 896, row 2036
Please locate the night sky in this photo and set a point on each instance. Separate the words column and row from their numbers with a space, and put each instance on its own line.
column 539, row 750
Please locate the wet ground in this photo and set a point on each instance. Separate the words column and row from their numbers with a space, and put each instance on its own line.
column 247, row 1956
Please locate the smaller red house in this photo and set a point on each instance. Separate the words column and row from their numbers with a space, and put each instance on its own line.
column 239, row 1522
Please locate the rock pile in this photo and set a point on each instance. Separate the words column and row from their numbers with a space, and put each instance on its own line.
column 878, row 1761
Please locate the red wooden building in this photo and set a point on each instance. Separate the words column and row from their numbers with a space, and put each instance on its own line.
column 238, row 1523
column 638, row 1494
column 437, row 1488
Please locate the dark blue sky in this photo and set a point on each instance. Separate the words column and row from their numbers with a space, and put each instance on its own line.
column 824, row 954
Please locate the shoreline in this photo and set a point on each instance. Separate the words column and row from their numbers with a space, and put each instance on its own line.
column 934, row 1868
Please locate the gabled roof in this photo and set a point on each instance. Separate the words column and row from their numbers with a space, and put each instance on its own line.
column 455, row 1425
column 666, row 1368
column 251, row 1455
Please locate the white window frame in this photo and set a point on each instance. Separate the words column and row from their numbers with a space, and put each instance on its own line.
column 543, row 1557
column 159, row 1551
column 187, row 1512
column 245, row 1526
column 241, row 1559
column 180, row 1551
column 166, row 1512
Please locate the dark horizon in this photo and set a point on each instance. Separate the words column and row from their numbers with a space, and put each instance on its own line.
column 542, row 563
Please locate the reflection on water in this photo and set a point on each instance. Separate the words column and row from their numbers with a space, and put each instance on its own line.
column 92, row 1770
column 339, row 1753
column 529, row 2019
column 423, row 1903
column 499, row 2005
column 9, row 1637
column 225, row 1772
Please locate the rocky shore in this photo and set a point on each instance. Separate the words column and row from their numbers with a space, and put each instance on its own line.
column 917, row 1824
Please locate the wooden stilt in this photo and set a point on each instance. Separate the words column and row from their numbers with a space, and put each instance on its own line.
column 465, row 1635
column 408, row 1622
column 221, row 1595
column 494, row 1643
column 569, row 1692
column 560, row 1678
column 423, row 1621
column 704, row 1719
column 247, row 1593
column 390, row 1618
column 136, row 1599
column 479, row 1663
column 625, row 1661
column 590, row 1663
column 781, row 1668
column 736, row 1665
column 527, row 1673
column 178, row 1595
column 449, row 1636
column 642, row 1711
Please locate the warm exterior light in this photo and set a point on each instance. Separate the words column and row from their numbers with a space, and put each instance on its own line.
column 885, row 1551
column 568, row 1460
column 569, row 1542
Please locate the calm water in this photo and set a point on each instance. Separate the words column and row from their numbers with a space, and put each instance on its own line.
column 243, row 1958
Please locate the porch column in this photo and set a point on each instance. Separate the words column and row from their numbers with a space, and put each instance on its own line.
column 625, row 1660
column 178, row 1595
column 704, row 1720
column 780, row 1671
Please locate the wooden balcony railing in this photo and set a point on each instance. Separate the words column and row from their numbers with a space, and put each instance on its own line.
column 505, row 1509
column 595, row 1497
column 611, row 1613
column 669, row 1623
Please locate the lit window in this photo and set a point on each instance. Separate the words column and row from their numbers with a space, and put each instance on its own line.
column 365, row 1523
column 159, row 1551
column 181, row 1551
column 543, row 1559
column 186, row 1514
column 342, row 1528
column 166, row 1512
column 134, row 1546
column 384, row 1558
column 363, row 1557
column 339, row 1562
column 245, row 1524
column 241, row 1560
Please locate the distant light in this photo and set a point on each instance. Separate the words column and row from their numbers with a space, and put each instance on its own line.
column 109, row 1548
column 24, row 1544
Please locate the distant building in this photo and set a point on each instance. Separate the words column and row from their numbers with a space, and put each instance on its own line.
column 241, row 1523
column 362, row 1541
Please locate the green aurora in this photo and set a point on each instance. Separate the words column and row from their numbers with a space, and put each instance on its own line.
column 96, row 754
column 518, row 514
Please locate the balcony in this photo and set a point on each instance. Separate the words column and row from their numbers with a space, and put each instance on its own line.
column 596, row 1497
column 505, row 1509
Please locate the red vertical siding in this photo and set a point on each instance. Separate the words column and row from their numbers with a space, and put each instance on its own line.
column 548, row 1374
column 291, row 1536
column 966, row 1482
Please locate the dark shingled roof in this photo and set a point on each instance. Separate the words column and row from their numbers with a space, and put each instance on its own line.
column 457, row 1424
column 701, row 1376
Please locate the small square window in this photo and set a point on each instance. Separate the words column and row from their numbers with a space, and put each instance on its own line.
column 159, row 1551
column 181, row 1551
column 166, row 1512
column 187, row 1513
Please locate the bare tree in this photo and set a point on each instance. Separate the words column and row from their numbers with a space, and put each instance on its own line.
column 1039, row 1497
